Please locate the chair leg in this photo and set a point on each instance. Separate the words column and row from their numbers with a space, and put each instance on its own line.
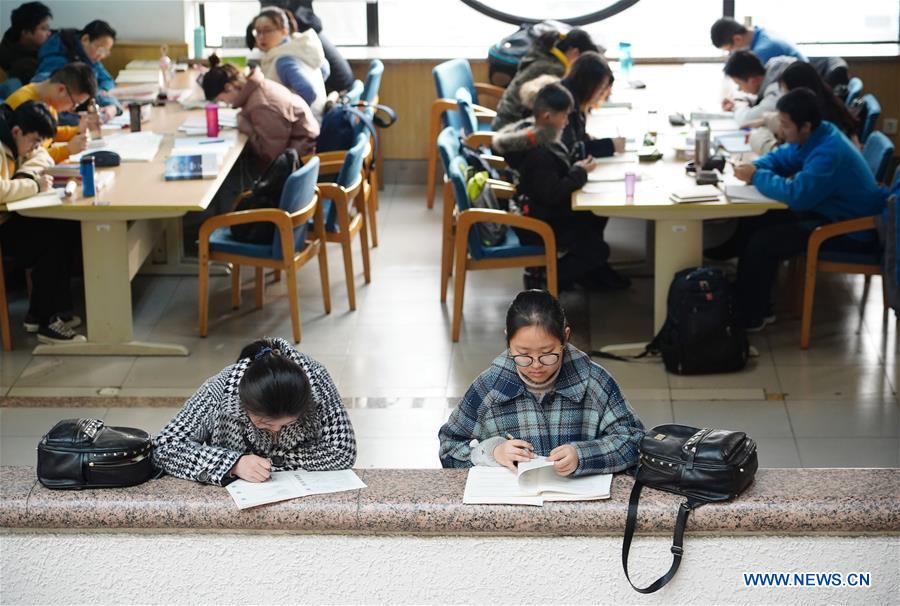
column 371, row 208
column 260, row 286
column 5, row 333
column 552, row 277
column 433, row 133
column 459, row 288
column 379, row 164
column 809, row 292
column 323, row 277
column 203, row 293
column 294, row 300
column 364, row 245
column 235, row 286
column 276, row 275
column 446, row 241
column 348, row 270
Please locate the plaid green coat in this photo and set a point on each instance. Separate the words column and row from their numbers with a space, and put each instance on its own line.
column 586, row 409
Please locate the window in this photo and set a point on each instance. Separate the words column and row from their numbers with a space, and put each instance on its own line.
column 825, row 21
column 223, row 18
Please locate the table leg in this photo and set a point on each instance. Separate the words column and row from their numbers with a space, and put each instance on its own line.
column 679, row 244
column 107, row 269
column 170, row 260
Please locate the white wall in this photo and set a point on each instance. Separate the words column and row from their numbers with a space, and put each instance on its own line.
column 133, row 20
column 218, row 568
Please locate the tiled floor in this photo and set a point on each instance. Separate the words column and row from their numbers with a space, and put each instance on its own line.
column 832, row 405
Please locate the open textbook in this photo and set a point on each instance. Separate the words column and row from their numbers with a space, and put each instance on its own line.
column 284, row 485
column 535, row 482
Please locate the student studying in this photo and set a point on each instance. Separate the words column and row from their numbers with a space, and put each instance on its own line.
column 29, row 29
column 542, row 397
column 756, row 80
column 729, row 35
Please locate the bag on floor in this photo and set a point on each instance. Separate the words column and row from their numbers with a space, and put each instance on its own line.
column 701, row 334
column 86, row 453
column 705, row 465
column 265, row 193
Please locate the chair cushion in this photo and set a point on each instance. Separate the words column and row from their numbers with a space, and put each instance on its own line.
column 221, row 241
column 510, row 247
column 484, row 126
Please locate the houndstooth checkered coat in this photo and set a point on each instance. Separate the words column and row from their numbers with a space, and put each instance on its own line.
column 211, row 432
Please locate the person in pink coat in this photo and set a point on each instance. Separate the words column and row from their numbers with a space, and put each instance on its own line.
column 273, row 118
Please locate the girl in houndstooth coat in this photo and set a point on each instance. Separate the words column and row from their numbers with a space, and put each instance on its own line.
column 275, row 409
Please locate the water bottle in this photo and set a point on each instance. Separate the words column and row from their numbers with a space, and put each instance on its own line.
column 87, row 177
column 212, row 120
column 625, row 60
column 165, row 70
column 199, row 42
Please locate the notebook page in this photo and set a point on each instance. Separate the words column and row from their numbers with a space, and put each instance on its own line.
column 496, row 485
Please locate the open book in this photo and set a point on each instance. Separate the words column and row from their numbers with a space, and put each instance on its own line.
column 284, row 485
column 535, row 482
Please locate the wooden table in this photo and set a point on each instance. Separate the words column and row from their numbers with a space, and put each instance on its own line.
column 678, row 227
column 138, row 209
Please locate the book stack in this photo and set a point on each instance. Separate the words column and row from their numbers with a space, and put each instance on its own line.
column 196, row 166
column 700, row 193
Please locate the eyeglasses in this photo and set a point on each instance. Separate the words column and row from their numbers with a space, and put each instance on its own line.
column 258, row 33
column 101, row 51
column 548, row 359
column 72, row 99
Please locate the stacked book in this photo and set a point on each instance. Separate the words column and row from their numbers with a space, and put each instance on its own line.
column 699, row 193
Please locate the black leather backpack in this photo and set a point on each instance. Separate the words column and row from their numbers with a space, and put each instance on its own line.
column 85, row 453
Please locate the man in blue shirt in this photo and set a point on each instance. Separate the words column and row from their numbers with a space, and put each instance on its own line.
column 823, row 178
column 729, row 35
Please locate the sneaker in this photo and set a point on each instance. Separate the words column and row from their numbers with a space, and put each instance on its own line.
column 769, row 319
column 31, row 325
column 59, row 332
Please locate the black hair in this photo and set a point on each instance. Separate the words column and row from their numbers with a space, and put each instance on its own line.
column 536, row 308
column 78, row 78
column 279, row 16
column 27, row 17
column 273, row 385
column 724, row 30
column 98, row 29
column 801, row 74
column 218, row 76
column 743, row 65
column 33, row 117
column 576, row 38
column 552, row 97
column 588, row 73
column 803, row 106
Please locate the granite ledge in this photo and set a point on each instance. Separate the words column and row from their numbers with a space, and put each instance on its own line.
column 429, row 502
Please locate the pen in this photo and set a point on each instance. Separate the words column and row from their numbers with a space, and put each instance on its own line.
column 509, row 436
column 211, row 141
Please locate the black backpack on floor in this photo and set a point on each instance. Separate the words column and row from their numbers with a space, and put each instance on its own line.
column 265, row 193
column 701, row 334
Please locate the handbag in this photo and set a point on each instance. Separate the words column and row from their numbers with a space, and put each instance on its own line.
column 86, row 453
column 705, row 465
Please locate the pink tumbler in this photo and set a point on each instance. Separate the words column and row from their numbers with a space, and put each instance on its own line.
column 630, row 178
column 212, row 120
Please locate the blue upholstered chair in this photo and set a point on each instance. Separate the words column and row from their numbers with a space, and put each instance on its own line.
column 374, row 165
column 471, row 253
column 354, row 95
column 373, row 81
column 344, row 205
column 295, row 243
column 878, row 151
column 8, row 87
column 449, row 77
column 854, row 90
column 869, row 116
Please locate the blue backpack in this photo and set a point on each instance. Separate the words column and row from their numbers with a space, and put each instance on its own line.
column 344, row 121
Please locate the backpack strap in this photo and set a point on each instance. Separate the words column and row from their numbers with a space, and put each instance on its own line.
column 386, row 121
column 684, row 511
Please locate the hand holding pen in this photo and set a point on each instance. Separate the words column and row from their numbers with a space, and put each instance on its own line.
column 513, row 451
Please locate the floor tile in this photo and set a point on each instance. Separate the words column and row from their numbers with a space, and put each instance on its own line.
column 398, row 423
column 408, row 371
column 76, row 371
column 390, row 453
column 721, row 393
column 754, row 375
column 39, row 420
column 12, row 363
column 763, row 419
column 833, row 382
column 849, row 452
column 636, row 374
column 150, row 419
column 652, row 412
column 777, row 452
column 850, row 418
column 19, row 451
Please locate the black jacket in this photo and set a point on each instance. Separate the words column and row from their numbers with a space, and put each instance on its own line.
column 575, row 135
column 547, row 176
column 16, row 60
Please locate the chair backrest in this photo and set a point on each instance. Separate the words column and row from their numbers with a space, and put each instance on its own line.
column 457, row 172
column 872, row 111
column 9, row 86
column 448, row 146
column 373, row 81
column 854, row 90
column 354, row 95
column 449, row 77
column 353, row 161
column 878, row 151
column 298, row 190
column 467, row 118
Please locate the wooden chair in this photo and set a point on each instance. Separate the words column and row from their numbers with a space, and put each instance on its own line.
column 290, row 248
column 471, row 254
column 345, row 206
column 370, row 96
column 5, row 332
column 449, row 77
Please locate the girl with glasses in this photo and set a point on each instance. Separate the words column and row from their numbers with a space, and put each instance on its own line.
column 274, row 409
column 542, row 396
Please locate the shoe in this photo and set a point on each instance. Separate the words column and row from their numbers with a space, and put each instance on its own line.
column 31, row 325
column 59, row 332
column 606, row 278
column 757, row 327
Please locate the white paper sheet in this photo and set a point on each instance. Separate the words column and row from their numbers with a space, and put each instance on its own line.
column 41, row 200
column 535, row 482
column 738, row 194
column 283, row 485
column 132, row 147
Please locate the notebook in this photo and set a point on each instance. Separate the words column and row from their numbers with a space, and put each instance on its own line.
column 535, row 482
column 41, row 200
column 698, row 193
column 733, row 143
column 737, row 194
column 284, row 485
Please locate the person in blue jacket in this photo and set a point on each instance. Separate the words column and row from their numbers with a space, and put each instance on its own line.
column 729, row 35
column 90, row 45
column 823, row 178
